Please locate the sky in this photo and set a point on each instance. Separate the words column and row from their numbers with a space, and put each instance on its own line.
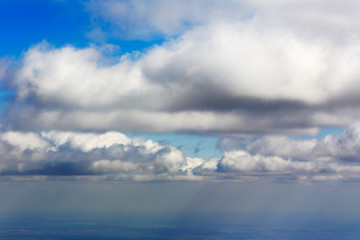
column 255, row 93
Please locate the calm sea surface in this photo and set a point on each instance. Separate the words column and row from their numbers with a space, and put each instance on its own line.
column 71, row 225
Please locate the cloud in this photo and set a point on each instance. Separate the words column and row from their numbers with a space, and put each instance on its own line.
column 24, row 141
column 237, row 164
column 244, row 162
column 4, row 64
column 342, row 147
column 334, row 156
column 272, row 72
column 229, row 68
column 74, row 78
column 311, row 19
column 142, row 19
column 86, row 141
column 111, row 155
column 237, row 78
column 114, row 156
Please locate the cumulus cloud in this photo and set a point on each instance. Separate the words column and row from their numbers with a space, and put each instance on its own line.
column 238, row 163
column 86, row 141
column 243, row 162
column 234, row 78
column 111, row 155
column 114, row 156
column 342, row 147
column 334, row 156
column 74, row 78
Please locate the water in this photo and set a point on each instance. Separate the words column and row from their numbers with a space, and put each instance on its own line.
column 85, row 225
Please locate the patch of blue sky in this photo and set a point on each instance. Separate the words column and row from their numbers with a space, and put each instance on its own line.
column 323, row 132
column 6, row 97
column 200, row 146
column 329, row 131
column 60, row 23
column 26, row 23
column 129, row 46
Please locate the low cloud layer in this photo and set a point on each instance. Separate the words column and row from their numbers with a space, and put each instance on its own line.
column 111, row 155
column 114, row 156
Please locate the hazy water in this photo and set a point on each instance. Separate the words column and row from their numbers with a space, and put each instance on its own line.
column 76, row 225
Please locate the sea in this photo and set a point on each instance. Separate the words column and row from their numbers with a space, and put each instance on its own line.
column 179, row 225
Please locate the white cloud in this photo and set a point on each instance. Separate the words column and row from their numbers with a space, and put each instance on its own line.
column 345, row 146
column 218, row 78
column 320, row 18
column 272, row 72
column 192, row 163
column 144, row 19
column 116, row 166
column 237, row 164
column 86, row 141
column 112, row 155
column 243, row 60
column 244, row 162
column 24, row 141
column 74, row 78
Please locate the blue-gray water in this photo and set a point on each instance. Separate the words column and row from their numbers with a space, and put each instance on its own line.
column 77, row 225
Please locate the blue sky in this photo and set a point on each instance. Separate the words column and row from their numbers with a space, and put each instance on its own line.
column 30, row 22
column 186, row 90
column 57, row 22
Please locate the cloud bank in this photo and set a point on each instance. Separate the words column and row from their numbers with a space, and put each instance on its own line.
column 114, row 156
column 110, row 155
